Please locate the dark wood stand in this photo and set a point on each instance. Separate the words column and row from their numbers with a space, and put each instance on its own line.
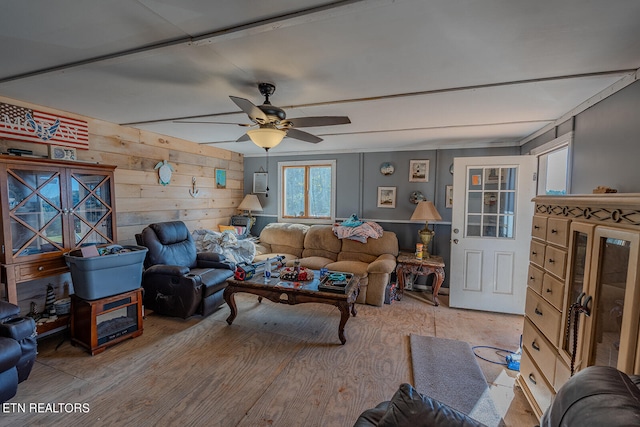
column 101, row 323
column 408, row 266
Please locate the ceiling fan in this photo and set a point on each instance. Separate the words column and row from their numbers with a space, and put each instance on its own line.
column 272, row 123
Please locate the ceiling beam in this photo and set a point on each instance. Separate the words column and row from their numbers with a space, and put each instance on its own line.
column 402, row 95
column 281, row 21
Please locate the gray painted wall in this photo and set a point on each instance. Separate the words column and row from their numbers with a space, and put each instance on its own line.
column 606, row 143
column 358, row 178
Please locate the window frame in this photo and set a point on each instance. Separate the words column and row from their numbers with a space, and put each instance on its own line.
column 542, row 152
column 306, row 164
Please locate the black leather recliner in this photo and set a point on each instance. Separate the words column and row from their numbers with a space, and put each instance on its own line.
column 596, row 396
column 177, row 280
column 18, row 348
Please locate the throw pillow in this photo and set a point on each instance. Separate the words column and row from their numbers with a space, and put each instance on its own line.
column 411, row 409
column 224, row 228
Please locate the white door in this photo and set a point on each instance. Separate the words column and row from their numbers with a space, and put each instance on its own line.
column 491, row 232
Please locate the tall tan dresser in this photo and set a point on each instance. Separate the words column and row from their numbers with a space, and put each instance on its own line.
column 584, row 248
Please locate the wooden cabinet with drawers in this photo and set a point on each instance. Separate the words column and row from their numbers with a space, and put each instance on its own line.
column 49, row 207
column 584, row 253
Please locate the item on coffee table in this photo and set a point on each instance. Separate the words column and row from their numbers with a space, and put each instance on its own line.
column 296, row 273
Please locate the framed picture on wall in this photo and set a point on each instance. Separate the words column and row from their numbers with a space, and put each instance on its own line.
column 386, row 197
column 418, row 170
column 260, row 180
column 221, row 178
column 448, row 196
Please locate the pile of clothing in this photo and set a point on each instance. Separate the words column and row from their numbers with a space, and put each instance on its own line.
column 228, row 244
column 355, row 229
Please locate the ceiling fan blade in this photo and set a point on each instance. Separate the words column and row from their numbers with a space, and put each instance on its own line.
column 303, row 136
column 243, row 138
column 210, row 123
column 305, row 122
column 248, row 107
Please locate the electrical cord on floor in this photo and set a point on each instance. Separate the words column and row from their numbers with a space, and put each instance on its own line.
column 498, row 351
column 511, row 359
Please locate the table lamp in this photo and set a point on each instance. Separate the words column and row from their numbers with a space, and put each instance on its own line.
column 250, row 203
column 425, row 211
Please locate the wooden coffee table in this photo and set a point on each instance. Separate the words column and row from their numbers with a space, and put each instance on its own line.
column 295, row 293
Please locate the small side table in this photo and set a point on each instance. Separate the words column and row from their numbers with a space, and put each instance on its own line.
column 98, row 324
column 409, row 266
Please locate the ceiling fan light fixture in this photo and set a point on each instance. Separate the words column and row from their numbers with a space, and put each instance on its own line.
column 266, row 137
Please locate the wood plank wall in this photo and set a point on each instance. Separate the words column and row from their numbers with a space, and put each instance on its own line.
column 140, row 198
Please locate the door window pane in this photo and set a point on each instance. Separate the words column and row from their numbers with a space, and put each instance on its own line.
column 491, row 199
column 475, row 202
column 474, row 223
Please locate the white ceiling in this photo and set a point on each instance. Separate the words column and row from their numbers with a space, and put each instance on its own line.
column 410, row 74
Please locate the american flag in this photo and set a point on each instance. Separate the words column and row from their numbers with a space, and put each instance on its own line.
column 24, row 124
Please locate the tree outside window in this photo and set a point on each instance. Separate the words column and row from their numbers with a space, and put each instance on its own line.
column 307, row 190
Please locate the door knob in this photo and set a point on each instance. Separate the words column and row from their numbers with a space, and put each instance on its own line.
column 455, row 230
column 455, row 241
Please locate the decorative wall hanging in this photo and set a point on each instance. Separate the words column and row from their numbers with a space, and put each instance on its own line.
column 62, row 153
column 164, row 172
column 386, row 197
column 419, row 171
column 416, row 197
column 387, row 168
column 193, row 191
column 25, row 124
column 221, row 178
column 260, row 180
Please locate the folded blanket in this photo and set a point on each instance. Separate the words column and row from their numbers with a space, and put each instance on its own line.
column 226, row 244
column 360, row 233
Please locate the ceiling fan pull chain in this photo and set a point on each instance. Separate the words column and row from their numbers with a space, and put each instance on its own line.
column 267, row 193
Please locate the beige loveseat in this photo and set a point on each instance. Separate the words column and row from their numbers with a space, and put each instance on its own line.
column 316, row 246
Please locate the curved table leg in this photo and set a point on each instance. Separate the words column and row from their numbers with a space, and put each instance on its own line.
column 439, row 272
column 231, row 302
column 400, row 279
column 344, row 316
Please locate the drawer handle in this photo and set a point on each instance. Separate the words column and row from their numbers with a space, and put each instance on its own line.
column 532, row 379
column 535, row 227
column 535, row 346
column 534, row 253
column 554, row 231
column 41, row 268
column 532, row 278
column 552, row 261
column 548, row 290
column 538, row 312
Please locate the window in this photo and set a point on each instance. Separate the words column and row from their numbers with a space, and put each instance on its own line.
column 491, row 202
column 307, row 191
column 553, row 165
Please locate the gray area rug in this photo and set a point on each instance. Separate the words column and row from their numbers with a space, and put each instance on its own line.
column 447, row 370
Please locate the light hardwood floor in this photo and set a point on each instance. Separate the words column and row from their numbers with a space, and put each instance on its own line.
column 277, row 365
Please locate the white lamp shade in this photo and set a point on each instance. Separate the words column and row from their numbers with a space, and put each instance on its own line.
column 425, row 211
column 250, row 203
column 266, row 137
